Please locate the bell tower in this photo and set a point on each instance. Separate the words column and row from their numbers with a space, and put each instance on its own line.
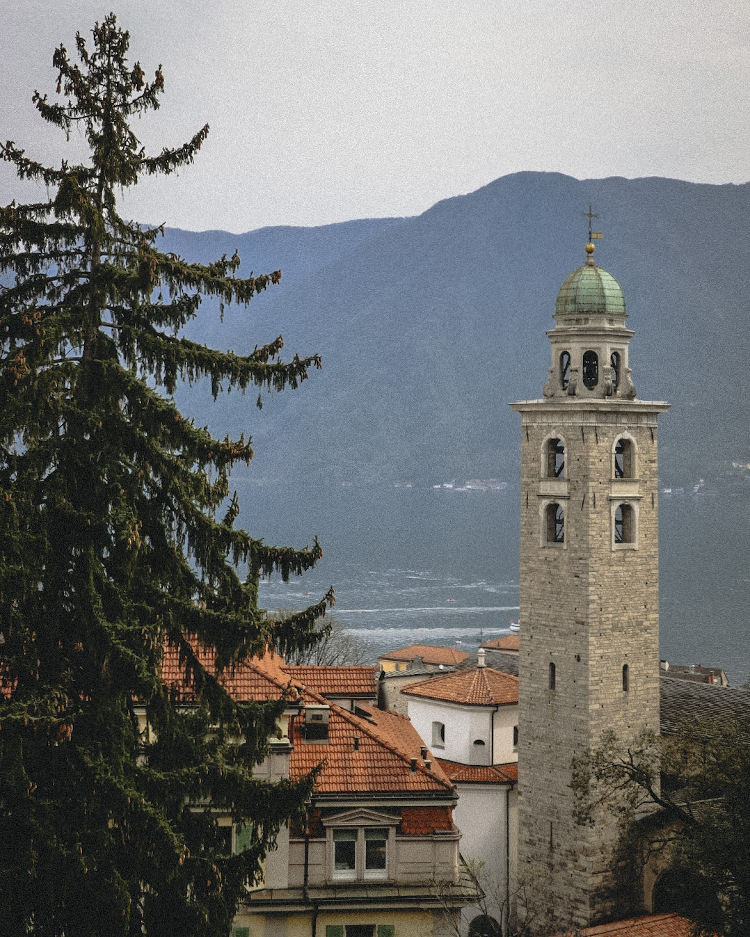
column 589, row 654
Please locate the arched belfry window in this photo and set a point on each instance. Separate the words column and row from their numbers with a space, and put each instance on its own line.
column 614, row 363
column 555, row 517
column 555, row 458
column 590, row 369
column 624, row 458
column 624, row 524
column 564, row 369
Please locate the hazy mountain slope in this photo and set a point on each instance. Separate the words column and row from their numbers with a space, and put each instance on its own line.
column 428, row 326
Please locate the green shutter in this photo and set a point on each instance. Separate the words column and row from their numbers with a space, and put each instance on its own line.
column 386, row 930
column 334, row 930
column 242, row 835
column 240, row 932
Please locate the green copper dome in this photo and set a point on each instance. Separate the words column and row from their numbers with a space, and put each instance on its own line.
column 589, row 290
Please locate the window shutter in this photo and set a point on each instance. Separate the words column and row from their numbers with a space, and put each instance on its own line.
column 334, row 930
column 386, row 930
column 242, row 836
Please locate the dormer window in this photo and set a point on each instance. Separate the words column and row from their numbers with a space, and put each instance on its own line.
column 590, row 369
column 555, row 458
column 565, row 369
column 614, row 363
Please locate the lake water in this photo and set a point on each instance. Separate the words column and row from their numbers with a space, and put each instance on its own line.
column 441, row 566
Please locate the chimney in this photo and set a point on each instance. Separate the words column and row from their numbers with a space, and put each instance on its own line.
column 413, row 768
column 424, row 751
column 356, row 743
column 428, row 764
column 480, row 658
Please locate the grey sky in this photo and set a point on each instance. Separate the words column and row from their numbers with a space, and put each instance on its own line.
column 324, row 111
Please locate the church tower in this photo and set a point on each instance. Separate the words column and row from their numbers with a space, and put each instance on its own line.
column 589, row 655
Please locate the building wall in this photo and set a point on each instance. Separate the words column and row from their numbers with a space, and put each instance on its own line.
column 463, row 726
column 482, row 816
column 588, row 608
column 504, row 720
column 416, row 923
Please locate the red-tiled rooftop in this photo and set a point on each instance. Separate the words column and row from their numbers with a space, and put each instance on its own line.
column 382, row 762
column 479, row 774
column 508, row 642
column 652, row 925
column 481, row 686
column 336, row 681
column 430, row 654
column 257, row 678
column 387, row 741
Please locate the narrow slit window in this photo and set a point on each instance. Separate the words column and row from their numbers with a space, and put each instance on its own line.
column 552, row 677
column 590, row 369
column 624, row 524
column 515, row 736
column 614, row 363
column 625, row 678
column 555, row 458
column 565, row 370
column 555, row 523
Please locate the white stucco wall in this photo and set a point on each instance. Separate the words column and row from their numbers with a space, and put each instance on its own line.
column 463, row 725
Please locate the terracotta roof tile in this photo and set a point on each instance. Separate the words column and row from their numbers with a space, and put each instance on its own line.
column 479, row 774
column 481, row 686
column 652, row 925
column 382, row 762
column 336, row 681
column 430, row 654
column 508, row 642
column 257, row 678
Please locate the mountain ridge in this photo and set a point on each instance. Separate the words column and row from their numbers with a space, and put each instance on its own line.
column 429, row 325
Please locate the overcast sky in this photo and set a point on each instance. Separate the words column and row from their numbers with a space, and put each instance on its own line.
column 323, row 111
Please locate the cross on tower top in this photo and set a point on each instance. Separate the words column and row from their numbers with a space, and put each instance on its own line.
column 590, row 215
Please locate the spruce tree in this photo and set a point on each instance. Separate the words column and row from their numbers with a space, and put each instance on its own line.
column 118, row 543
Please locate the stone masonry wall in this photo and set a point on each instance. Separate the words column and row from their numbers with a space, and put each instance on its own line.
column 589, row 609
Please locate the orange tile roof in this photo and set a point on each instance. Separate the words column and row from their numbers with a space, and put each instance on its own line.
column 480, row 774
column 336, row 681
column 382, row 762
column 430, row 654
column 652, row 925
column 387, row 741
column 480, row 686
column 508, row 642
column 257, row 678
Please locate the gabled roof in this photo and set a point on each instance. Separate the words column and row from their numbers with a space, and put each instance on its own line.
column 481, row 686
column 336, row 681
column 508, row 642
column 381, row 763
column 479, row 774
column 652, row 925
column 387, row 743
column 257, row 678
column 430, row 654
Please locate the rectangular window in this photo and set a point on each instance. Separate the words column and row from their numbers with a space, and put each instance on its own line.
column 438, row 734
column 345, row 854
column 360, row 930
column 376, row 843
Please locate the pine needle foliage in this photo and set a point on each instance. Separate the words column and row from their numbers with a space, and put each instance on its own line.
column 116, row 544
